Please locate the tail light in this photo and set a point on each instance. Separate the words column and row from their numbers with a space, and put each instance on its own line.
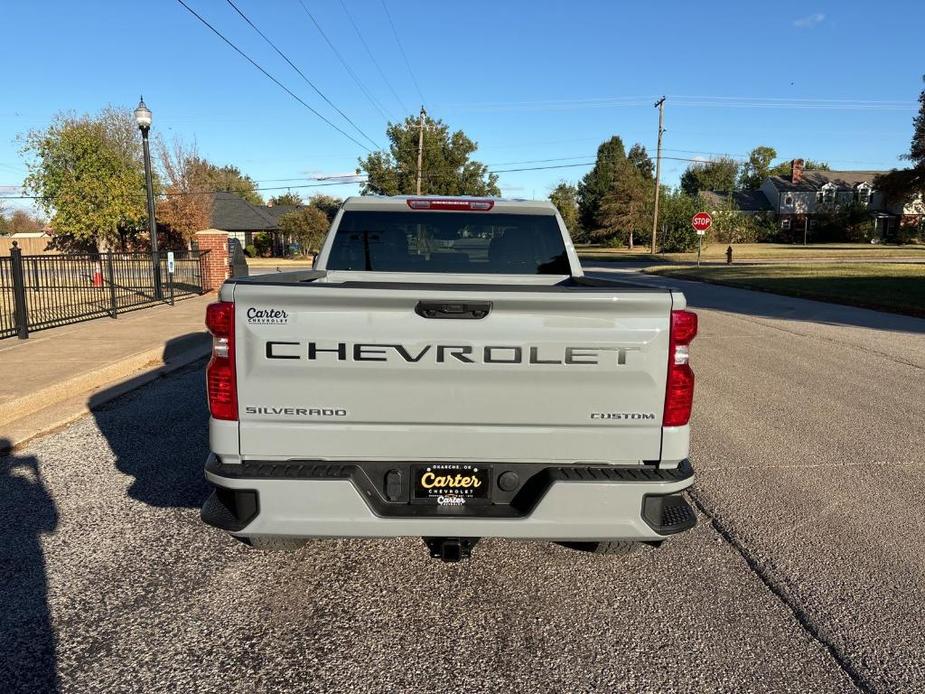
column 459, row 205
column 221, row 381
column 679, row 393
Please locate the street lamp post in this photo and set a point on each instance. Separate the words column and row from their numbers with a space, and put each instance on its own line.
column 143, row 118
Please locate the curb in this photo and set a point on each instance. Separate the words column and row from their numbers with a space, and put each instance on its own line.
column 55, row 407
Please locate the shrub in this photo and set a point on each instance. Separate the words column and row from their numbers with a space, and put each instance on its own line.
column 910, row 233
column 263, row 244
column 250, row 251
column 737, row 227
column 678, row 239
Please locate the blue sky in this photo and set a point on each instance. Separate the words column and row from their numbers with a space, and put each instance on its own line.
column 528, row 81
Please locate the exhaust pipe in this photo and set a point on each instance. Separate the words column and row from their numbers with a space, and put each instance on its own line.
column 450, row 549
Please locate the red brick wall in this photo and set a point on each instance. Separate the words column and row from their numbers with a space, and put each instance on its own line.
column 215, row 263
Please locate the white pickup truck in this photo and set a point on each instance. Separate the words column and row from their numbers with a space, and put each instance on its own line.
column 447, row 371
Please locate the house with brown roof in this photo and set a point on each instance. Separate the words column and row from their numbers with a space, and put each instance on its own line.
column 799, row 199
column 796, row 202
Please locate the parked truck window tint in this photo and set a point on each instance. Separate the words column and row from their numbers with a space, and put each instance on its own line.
column 463, row 242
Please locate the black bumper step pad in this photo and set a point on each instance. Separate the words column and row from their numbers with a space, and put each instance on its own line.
column 668, row 514
column 230, row 509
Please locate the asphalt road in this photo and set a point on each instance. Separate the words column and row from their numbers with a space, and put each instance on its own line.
column 805, row 573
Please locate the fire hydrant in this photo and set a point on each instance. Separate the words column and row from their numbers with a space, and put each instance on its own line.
column 729, row 255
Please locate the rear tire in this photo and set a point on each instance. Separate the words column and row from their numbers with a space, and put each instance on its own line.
column 614, row 547
column 278, row 544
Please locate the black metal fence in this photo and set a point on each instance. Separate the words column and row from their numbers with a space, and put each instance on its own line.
column 45, row 291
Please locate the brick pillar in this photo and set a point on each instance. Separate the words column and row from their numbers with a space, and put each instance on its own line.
column 214, row 265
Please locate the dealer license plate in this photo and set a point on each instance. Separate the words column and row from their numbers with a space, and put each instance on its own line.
column 451, row 483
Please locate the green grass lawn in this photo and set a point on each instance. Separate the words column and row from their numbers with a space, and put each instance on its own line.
column 895, row 287
column 758, row 251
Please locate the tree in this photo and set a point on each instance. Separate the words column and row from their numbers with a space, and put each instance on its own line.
column 287, row 198
column 226, row 178
column 327, row 204
column 917, row 147
column 447, row 165
column 21, row 220
column 307, row 225
column 783, row 168
column 187, row 205
column 759, row 166
column 88, row 175
column 640, row 159
column 565, row 197
column 756, row 169
column 716, row 174
column 623, row 209
column 598, row 182
column 904, row 185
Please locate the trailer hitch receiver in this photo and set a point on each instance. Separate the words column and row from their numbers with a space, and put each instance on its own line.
column 450, row 549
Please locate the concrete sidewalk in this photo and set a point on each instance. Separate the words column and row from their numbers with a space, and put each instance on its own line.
column 49, row 379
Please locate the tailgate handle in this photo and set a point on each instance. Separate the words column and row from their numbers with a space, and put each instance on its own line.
column 473, row 310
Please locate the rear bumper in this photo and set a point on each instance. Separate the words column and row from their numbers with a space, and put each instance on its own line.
column 313, row 499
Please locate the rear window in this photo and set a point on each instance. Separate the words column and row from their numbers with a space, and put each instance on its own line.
column 462, row 242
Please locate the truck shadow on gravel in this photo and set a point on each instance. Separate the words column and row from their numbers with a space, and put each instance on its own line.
column 159, row 433
column 27, row 640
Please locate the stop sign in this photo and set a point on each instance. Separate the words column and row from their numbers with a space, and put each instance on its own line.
column 701, row 222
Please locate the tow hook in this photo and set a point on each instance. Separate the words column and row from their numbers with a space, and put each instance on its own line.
column 450, row 549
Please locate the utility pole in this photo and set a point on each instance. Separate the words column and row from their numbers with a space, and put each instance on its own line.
column 660, row 105
column 420, row 146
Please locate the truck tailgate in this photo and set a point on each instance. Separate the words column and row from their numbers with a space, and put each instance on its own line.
column 353, row 372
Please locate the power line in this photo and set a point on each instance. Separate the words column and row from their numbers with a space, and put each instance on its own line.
column 360, row 178
column 585, row 156
column 797, row 99
column 543, row 168
column 585, row 163
column 773, row 103
column 302, row 74
column 209, row 192
column 271, row 77
column 713, row 154
column 402, row 50
column 372, row 100
column 792, row 106
column 373, row 58
column 305, row 178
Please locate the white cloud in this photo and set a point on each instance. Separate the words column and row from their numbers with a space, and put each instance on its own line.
column 809, row 21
